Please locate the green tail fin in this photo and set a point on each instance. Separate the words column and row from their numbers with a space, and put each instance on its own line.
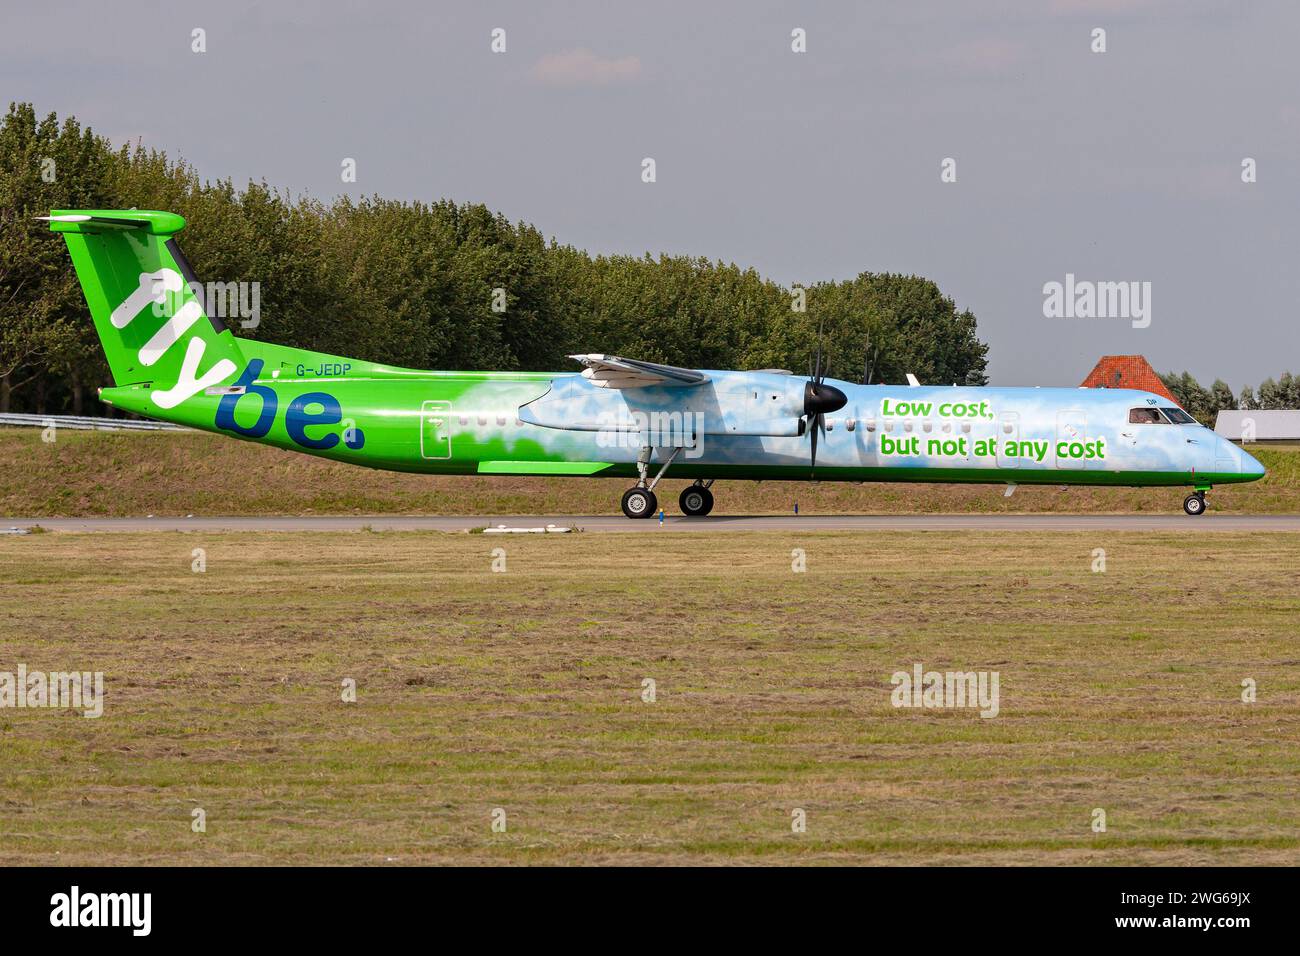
column 141, row 295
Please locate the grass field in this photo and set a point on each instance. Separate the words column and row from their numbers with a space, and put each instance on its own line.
column 522, row 691
column 122, row 473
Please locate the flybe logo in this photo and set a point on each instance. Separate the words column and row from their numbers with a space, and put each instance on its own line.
column 309, row 410
column 153, row 288
column 312, row 410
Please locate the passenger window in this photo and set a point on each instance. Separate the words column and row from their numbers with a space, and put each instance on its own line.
column 1144, row 416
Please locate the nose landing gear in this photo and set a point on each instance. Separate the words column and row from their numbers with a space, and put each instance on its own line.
column 1194, row 504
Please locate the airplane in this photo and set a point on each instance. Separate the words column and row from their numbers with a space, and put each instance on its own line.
column 617, row 417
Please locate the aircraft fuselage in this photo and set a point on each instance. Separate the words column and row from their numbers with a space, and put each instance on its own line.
column 742, row 425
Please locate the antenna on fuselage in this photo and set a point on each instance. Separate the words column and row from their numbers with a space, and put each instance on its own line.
column 869, row 364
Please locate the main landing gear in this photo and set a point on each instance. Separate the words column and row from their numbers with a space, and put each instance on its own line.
column 697, row 501
column 640, row 501
column 1194, row 504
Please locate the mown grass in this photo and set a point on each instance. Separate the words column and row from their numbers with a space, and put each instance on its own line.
column 522, row 690
column 86, row 474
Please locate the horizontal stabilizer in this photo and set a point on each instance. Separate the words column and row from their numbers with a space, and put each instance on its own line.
column 92, row 221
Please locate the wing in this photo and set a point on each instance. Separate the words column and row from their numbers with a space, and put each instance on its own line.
column 611, row 371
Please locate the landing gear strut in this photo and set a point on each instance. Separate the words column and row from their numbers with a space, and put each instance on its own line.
column 697, row 500
column 640, row 501
column 1194, row 504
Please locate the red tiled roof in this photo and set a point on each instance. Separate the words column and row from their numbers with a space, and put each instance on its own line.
column 1127, row 371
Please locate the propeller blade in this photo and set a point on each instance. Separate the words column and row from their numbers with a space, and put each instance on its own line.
column 817, row 375
column 814, row 450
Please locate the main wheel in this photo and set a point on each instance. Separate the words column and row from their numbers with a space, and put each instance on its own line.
column 639, row 503
column 1194, row 504
column 696, row 501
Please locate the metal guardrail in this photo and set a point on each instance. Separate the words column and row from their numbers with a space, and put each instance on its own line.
column 86, row 423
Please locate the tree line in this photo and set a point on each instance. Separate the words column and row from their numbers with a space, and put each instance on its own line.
column 1204, row 404
column 415, row 283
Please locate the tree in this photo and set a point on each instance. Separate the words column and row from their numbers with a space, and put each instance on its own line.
column 1222, row 395
column 1270, row 396
column 42, row 166
column 1288, row 387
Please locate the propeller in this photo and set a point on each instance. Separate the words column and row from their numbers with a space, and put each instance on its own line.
column 818, row 399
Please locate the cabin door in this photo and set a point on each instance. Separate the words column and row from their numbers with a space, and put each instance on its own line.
column 435, row 430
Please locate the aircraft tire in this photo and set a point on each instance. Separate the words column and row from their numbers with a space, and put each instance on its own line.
column 696, row 501
column 639, row 503
column 1194, row 504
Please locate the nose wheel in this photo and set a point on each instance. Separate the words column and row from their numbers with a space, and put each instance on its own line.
column 1194, row 504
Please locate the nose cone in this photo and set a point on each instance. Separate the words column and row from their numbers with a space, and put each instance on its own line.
column 820, row 398
column 1251, row 469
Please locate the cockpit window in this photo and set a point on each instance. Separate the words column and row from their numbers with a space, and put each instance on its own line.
column 1178, row 416
column 1144, row 416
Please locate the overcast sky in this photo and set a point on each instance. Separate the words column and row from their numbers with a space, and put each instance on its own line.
column 1117, row 166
